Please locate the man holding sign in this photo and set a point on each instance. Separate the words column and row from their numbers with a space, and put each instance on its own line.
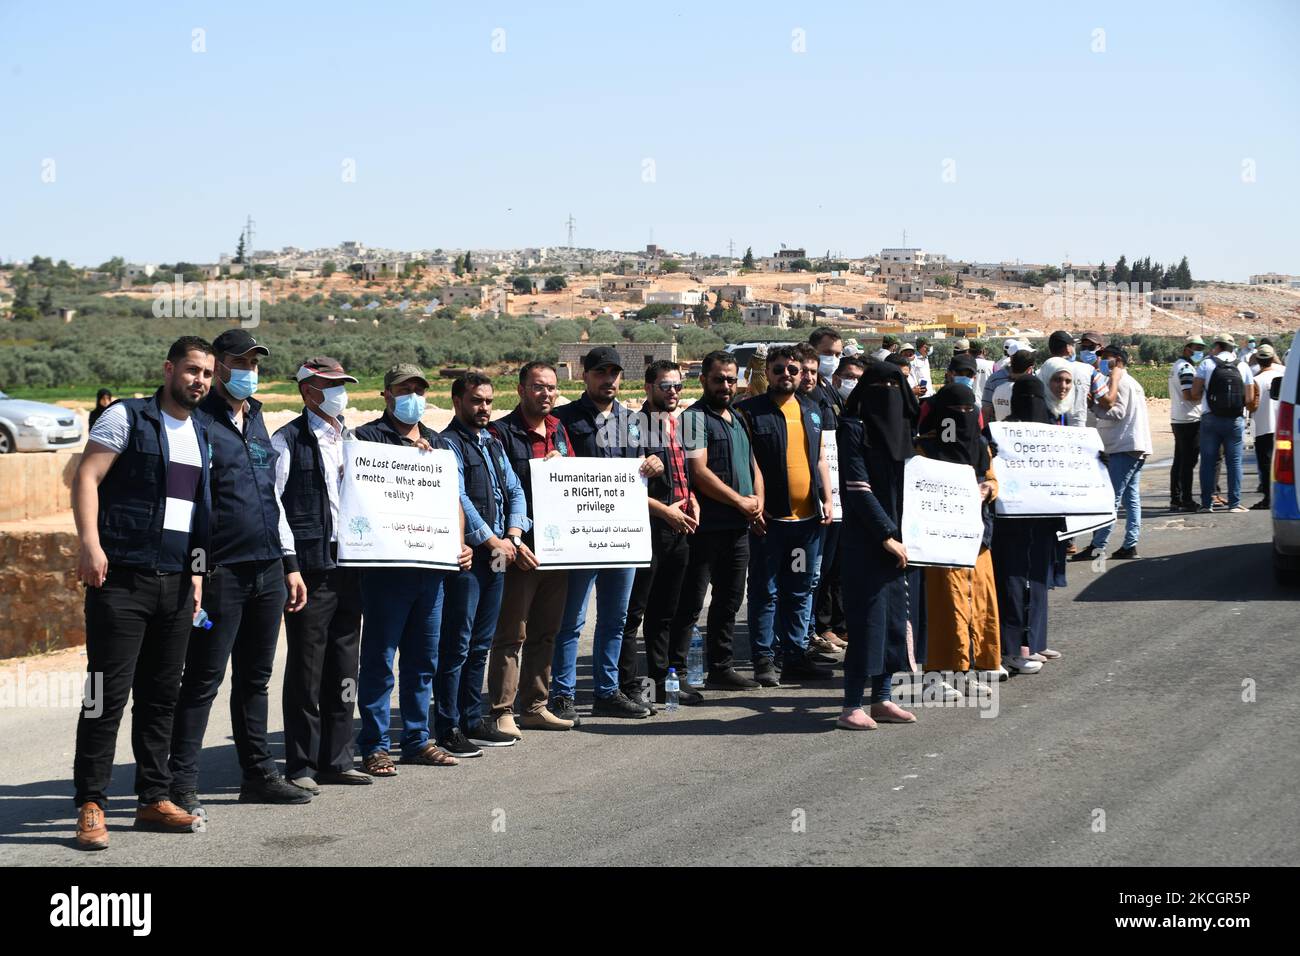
column 401, row 603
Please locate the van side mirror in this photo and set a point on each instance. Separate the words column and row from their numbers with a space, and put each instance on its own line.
column 1275, row 388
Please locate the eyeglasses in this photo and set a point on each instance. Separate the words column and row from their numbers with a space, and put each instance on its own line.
column 724, row 379
column 786, row 369
column 669, row 386
column 543, row 389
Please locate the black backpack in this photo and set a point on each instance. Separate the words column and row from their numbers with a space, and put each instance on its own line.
column 1226, row 393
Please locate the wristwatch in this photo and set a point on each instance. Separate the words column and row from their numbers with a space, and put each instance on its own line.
column 517, row 541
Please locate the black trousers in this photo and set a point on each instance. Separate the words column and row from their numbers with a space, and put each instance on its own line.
column 828, row 605
column 1264, row 459
column 655, row 593
column 320, row 675
column 720, row 558
column 137, row 628
column 1187, row 451
column 246, row 604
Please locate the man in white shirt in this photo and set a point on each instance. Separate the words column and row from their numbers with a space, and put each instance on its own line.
column 983, row 366
column 1224, row 405
column 1022, row 366
column 1125, row 431
column 921, row 368
column 1185, row 421
column 1265, row 419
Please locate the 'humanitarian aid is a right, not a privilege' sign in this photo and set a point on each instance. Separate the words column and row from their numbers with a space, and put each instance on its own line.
column 590, row 513
column 1050, row 470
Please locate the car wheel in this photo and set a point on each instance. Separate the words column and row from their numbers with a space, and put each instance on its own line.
column 1285, row 571
column 6, row 441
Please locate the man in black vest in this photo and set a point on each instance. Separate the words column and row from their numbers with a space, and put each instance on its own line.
column 729, row 488
column 496, row 516
column 246, row 593
column 141, row 501
column 324, row 636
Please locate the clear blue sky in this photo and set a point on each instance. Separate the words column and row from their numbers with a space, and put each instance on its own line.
column 160, row 152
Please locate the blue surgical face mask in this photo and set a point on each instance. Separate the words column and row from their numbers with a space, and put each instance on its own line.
column 1089, row 356
column 242, row 383
column 1198, row 356
column 963, row 380
column 409, row 408
column 1104, row 367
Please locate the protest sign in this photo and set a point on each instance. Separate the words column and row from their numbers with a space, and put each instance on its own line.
column 590, row 513
column 398, row 507
column 1050, row 470
column 832, row 452
column 942, row 519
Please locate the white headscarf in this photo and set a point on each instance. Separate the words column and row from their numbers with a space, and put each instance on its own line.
column 1048, row 371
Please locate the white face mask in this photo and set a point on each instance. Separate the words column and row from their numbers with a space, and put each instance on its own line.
column 333, row 400
column 845, row 387
column 827, row 364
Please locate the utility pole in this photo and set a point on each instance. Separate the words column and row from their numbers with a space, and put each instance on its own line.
column 571, row 223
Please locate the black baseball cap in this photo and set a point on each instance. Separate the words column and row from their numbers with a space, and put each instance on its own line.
column 961, row 362
column 1057, row 339
column 237, row 342
column 602, row 355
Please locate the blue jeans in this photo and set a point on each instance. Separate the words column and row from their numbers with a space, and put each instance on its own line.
column 782, row 564
column 1230, row 433
column 1125, row 468
column 469, row 621
column 401, row 614
column 613, row 589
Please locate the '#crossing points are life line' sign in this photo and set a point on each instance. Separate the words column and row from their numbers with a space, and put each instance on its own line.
column 832, row 452
column 590, row 513
column 399, row 507
column 1049, row 471
column 943, row 523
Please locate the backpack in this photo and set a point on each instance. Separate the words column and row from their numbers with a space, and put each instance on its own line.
column 1226, row 393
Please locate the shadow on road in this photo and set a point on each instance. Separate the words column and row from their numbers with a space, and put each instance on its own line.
column 1234, row 573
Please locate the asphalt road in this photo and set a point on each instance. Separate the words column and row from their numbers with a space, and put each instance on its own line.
column 1143, row 718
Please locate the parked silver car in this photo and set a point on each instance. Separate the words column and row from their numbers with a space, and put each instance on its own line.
column 35, row 426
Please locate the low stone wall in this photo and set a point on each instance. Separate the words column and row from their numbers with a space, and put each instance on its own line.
column 34, row 484
column 41, row 603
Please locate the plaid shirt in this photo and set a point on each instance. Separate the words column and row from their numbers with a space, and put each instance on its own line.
column 676, row 462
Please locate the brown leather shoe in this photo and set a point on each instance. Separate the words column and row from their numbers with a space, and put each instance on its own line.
column 92, row 829
column 542, row 720
column 165, row 817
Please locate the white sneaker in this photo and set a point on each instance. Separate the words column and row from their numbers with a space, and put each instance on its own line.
column 977, row 687
column 1049, row 654
column 1021, row 665
column 1041, row 658
column 950, row 693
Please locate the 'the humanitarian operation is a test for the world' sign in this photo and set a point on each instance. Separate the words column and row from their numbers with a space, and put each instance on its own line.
column 590, row 513
column 399, row 507
column 1050, row 470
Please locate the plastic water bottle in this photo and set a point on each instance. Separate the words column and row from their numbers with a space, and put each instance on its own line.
column 671, row 689
column 202, row 620
column 695, row 659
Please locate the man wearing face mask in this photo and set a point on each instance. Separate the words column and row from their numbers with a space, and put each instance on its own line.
column 324, row 637
column 402, row 607
column 1185, row 420
column 248, row 589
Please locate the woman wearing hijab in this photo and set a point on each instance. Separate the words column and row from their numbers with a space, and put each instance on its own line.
column 875, row 441
column 961, row 603
column 1026, row 550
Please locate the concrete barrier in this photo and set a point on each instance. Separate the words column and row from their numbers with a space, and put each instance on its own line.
column 34, row 484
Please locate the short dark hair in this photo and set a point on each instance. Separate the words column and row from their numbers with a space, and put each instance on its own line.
column 717, row 357
column 1116, row 353
column 657, row 368
column 852, row 360
column 825, row 332
column 1022, row 360
column 467, row 381
column 782, row 353
column 920, row 342
column 538, row 363
column 805, row 352
column 187, row 344
column 103, row 393
column 976, row 348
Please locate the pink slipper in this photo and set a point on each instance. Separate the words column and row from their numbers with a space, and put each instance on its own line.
column 855, row 719
column 890, row 713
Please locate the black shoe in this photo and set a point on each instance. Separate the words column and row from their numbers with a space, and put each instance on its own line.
column 687, row 695
column 805, row 669
column 1084, row 554
column 272, row 788
column 620, row 705
column 458, row 745
column 188, row 800
column 562, row 707
column 486, row 735
column 1257, row 506
column 1123, row 553
column 1190, row 506
column 728, row 679
column 638, row 694
column 765, row 674
column 817, row 657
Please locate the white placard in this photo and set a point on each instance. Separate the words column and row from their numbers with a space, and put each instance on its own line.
column 942, row 520
column 590, row 513
column 832, row 451
column 1045, row 471
column 399, row 507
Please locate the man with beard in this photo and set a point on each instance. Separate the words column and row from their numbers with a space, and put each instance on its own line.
column 729, row 488
column 674, row 518
column 141, row 500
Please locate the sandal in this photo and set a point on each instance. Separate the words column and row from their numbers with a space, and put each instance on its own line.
column 379, row 764
column 431, row 755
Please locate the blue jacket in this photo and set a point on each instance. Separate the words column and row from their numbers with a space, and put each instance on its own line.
column 245, row 509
